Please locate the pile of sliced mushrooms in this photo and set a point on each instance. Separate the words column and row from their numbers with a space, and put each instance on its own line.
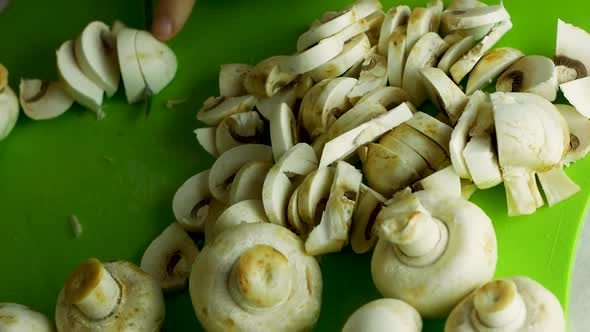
column 351, row 160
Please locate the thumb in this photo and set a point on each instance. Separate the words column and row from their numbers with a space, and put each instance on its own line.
column 170, row 16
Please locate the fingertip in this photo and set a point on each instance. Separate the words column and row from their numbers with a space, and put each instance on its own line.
column 162, row 28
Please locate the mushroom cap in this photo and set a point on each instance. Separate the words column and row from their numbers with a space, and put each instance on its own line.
column 19, row 318
column 543, row 311
column 384, row 315
column 468, row 260
column 140, row 307
column 242, row 251
column 244, row 212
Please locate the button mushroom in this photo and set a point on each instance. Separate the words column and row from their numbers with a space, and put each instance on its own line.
column 251, row 275
column 433, row 250
column 115, row 296
column 384, row 315
column 9, row 109
column 516, row 304
column 18, row 318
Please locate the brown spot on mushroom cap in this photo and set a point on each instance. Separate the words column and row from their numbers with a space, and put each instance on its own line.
column 578, row 66
column 83, row 281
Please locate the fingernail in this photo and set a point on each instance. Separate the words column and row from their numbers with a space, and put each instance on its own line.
column 162, row 27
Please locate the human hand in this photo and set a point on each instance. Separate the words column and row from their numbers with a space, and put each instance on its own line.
column 170, row 16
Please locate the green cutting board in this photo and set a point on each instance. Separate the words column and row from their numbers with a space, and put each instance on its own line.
column 119, row 175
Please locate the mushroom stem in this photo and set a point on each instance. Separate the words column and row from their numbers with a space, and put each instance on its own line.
column 93, row 290
column 498, row 304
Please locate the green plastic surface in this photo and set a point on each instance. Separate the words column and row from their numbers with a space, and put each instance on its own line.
column 119, row 175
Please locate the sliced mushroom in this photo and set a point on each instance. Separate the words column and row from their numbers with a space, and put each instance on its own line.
column 169, row 258
column 157, row 61
column 267, row 78
column 384, row 315
column 478, row 33
column 294, row 222
column 465, row 4
column 418, row 25
column 319, row 144
column 432, row 128
column 206, row 138
column 491, row 65
column 455, row 52
column 557, row 186
column 231, row 79
column 369, row 24
column 283, row 131
column 463, row 66
column 452, row 39
column 388, row 96
column 373, row 76
column 362, row 234
column 42, row 100
column 534, row 74
column 133, row 80
column 287, row 95
column 482, row 162
column 387, row 171
column 425, row 53
column 468, row 189
column 436, row 7
column 244, row 212
column 354, row 51
column 215, row 109
column 9, row 110
column 308, row 108
column 191, row 202
column 394, row 18
column 579, row 127
column 571, row 54
column 97, row 57
column 576, row 93
column 444, row 93
column 76, row 83
column 356, row 116
column 405, row 152
column 332, row 232
column 432, row 153
column 15, row 318
column 313, row 195
column 445, row 181
column 228, row 164
column 238, row 129
column 475, row 17
column 396, row 56
column 346, row 144
column 248, row 182
column 308, row 60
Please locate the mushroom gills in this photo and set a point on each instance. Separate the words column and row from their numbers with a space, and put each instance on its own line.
column 491, row 65
column 238, row 129
column 191, row 203
column 444, row 93
column 231, row 79
column 557, row 186
column 42, row 100
column 362, row 234
column 571, row 52
column 534, row 74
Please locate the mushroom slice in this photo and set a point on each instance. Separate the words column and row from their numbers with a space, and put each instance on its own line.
column 463, row 66
column 332, row 232
column 418, row 25
column 477, row 33
column 9, row 111
column 434, row 155
column 460, row 135
column 247, row 184
column 491, row 66
column 387, row 171
column 191, row 202
column 283, row 131
column 557, row 186
column 133, row 80
column 215, row 109
column 436, row 7
column 468, row 189
column 381, row 315
column 42, row 100
column 313, row 195
column 452, row 39
column 475, row 17
column 432, row 128
column 394, row 18
column 207, row 137
column 482, row 162
column 157, row 61
column 16, row 317
column 571, row 54
column 231, row 79
column 238, row 129
column 362, row 235
column 455, row 52
column 294, row 222
column 444, row 181
column 356, row 116
column 534, row 74
column 396, row 56
column 370, row 23
column 354, row 51
column 267, row 78
column 346, row 144
column 229, row 163
column 373, row 76
column 576, row 93
column 76, row 83
column 97, row 57
column 425, row 53
column 244, row 212
column 465, row 4
column 444, row 93
column 310, row 59
column 287, row 95
column 409, row 155
column 579, row 127
column 169, row 258
column 388, row 96
column 307, row 107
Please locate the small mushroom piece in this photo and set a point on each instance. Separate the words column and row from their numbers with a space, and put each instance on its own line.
column 388, row 96
column 571, row 54
column 432, row 153
column 16, row 318
column 294, row 222
column 579, row 127
column 192, row 201
column 228, row 164
column 215, row 109
column 168, row 259
column 9, row 111
column 432, row 128
column 436, row 7
column 313, row 195
column 332, row 232
column 287, row 95
column 248, row 182
column 267, row 78
column 467, row 62
column 445, row 181
column 427, row 237
column 76, row 83
column 482, row 162
column 468, row 189
column 387, row 171
column 384, row 315
column 42, row 100
column 346, row 144
column 354, row 51
column 362, row 234
column 373, row 76
column 444, row 93
column 493, row 63
column 157, row 61
column 557, row 186
column 109, row 297
column 575, row 93
column 394, row 18
column 244, row 212
column 455, row 52
column 534, row 74
column 283, row 131
column 418, row 25
column 238, row 129
column 396, row 56
column 475, row 17
column 133, row 80
column 97, row 57
column 356, row 116
column 425, row 53
column 206, row 138
column 231, row 79
column 250, row 274
column 511, row 304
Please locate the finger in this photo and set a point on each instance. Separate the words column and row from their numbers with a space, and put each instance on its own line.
column 170, row 17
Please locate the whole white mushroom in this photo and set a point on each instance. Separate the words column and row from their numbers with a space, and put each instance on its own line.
column 384, row 315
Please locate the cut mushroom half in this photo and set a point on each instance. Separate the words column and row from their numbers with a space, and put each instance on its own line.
column 238, row 129
column 475, row 17
column 267, row 78
column 283, row 131
column 157, row 62
column 492, row 65
column 307, row 108
column 396, row 56
column 354, row 51
column 418, row 25
column 332, row 232
column 557, row 185
column 133, row 81
column 287, row 95
column 231, row 79
column 43, row 100
column 169, row 258
column 455, row 52
column 248, row 182
column 215, row 109
column 373, row 76
column 432, row 128
column 9, row 110
column 394, row 18
column 244, row 212
column 97, row 57
column 572, row 59
column 444, row 93
column 534, row 74
column 444, row 181
column 482, row 162
column 313, row 194
column 579, row 127
column 191, row 203
column 362, row 234
column 206, row 138
column 15, row 318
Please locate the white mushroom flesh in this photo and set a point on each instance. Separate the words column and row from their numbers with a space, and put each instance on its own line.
column 579, row 127
column 231, row 79
column 42, row 100
column 16, row 318
column 206, row 138
column 418, row 25
column 557, row 186
column 238, row 129
column 373, row 76
column 157, row 61
column 313, row 195
column 482, row 162
column 444, row 181
column 133, row 80
column 191, row 202
column 215, row 109
column 571, row 52
column 354, row 51
column 534, row 74
column 493, row 63
column 475, row 17
column 396, row 56
column 455, row 52
column 244, row 212
column 434, row 155
column 248, row 182
column 394, row 18
column 9, row 111
column 432, row 128
column 444, row 93
column 362, row 234
column 575, row 93
column 361, row 113
column 384, row 315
